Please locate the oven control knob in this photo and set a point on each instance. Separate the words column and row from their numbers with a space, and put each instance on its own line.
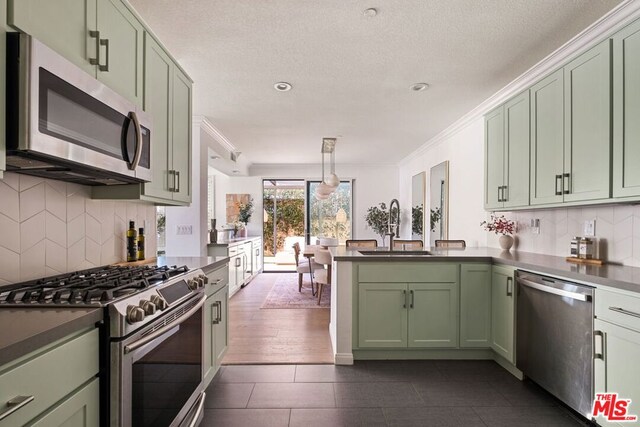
column 204, row 278
column 201, row 281
column 148, row 307
column 192, row 284
column 159, row 302
column 134, row 314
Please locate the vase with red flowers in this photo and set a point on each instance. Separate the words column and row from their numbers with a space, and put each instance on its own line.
column 502, row 226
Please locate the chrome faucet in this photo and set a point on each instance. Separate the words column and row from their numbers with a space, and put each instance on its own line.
column 393, row 228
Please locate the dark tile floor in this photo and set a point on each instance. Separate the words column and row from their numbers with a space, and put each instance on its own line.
column 380, row 393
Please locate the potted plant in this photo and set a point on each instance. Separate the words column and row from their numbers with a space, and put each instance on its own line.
column 416, row 219
column 435, row 216
column 377, row 219
column 503, row 226
column 245, row 210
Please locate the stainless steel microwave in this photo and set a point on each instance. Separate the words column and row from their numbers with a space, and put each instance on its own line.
column 62, row 123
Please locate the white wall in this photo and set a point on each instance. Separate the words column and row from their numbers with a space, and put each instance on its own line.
column 372, row 184
column 464, row 151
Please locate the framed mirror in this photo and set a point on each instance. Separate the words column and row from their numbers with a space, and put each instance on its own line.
column 418, row 183
column 439, row 202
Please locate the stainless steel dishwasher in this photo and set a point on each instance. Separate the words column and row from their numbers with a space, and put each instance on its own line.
column 554, row 339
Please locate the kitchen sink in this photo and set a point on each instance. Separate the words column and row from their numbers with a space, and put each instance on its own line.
column 396, row 253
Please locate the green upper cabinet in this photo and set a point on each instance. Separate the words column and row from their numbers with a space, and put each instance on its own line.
column 626, row 110
column 433, row 315
column 516, row 165
column 507, row 154
column 503, row 312
column 103, row 37
column 121, row 38
column 181, row 139
column 494, row 158
column 587, row 143
column 547, row 139
column 475, row 305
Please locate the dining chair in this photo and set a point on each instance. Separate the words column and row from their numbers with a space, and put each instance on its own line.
column 304, row 266
column 322, row 275
column 366, row 243
column 407, row 244
column 459, row 244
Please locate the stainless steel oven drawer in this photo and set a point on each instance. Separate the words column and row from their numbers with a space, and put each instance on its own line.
column 48, row 377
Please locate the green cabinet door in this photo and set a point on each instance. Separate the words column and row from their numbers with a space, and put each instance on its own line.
column 181, row 140
column 221, row 327
column 616, row 370
column 587, row 142
column 382, row 315
column 81, row 409
column 157, row 102
column 63, row 25
column 433, row 315
column 517, row 147
column 121, row 50
column 475, row 305
column 547, row 140
column 503, row 312
column 494, row 158
column 209, row 362
column 626, row 110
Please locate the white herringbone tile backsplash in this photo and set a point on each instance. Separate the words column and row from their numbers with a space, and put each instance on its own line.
column 49, row 227
column 617, row 231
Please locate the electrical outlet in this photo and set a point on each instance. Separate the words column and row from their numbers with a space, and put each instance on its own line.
column 535, row 225
column 184, row 230
column 590, row 228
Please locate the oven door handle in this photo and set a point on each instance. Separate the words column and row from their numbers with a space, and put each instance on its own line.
column 147, row 339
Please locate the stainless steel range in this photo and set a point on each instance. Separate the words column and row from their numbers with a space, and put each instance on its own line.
column 152, row 355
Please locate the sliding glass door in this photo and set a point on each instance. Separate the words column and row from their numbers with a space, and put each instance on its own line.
column 331, row 217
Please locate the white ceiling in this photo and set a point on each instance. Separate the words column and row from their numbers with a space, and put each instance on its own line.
column 351, row 74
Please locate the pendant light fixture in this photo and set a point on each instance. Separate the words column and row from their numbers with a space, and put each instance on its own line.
column 332, row 180
column 323, row 190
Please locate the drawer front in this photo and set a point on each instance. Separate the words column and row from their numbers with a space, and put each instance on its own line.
column 621, row 309
column 49, row 377
column 407, row 272
column 217, row 280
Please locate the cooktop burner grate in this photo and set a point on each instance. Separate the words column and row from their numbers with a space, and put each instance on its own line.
column 96, row 286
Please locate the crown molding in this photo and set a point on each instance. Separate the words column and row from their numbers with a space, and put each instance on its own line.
column 212, row 131
column 616, row 19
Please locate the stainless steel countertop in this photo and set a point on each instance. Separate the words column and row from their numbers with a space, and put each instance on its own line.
column 614, row 276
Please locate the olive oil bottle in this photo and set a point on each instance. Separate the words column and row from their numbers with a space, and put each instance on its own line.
column 140, row 244
column 131, row 242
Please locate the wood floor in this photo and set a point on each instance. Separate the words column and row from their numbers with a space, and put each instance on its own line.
column 265, row 336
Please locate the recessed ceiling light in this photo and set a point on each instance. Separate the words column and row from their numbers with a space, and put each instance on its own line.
column 371, row 12
column 419, row 87
column 235, row 171
column 214, row 157
column 282, row 86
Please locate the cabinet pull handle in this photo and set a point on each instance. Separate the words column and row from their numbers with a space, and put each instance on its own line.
column 412, row 298
column 558, row 179
column 566, row 190
column 172, row 184
column 599, row 355
column 404, row 298
column 509, row 286
column 95, row 35
column 178, row 179
column 505, row 193
column 238, row 262
column 623, row 311
column 14, row 404
column 214, row 321
column 499, row 196
column 219, row 311
column 104, row 68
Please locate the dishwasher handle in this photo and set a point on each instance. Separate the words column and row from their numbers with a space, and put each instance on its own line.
column 555, row 291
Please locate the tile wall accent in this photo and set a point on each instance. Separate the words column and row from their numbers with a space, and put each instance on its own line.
column 49, row 227
column 617, row 229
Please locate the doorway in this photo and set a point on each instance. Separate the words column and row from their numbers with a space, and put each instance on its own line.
column 284, row 222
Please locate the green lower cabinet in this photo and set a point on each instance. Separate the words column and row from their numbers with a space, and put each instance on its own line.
column 382, row 315
column 82, row 409
column 433, row 315
column 215, row 333
column 413, row 315
column 475, row 305
column 616, row 365
column 503, row 312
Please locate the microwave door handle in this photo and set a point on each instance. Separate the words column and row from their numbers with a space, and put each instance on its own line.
column 139, row 141
column 147, row 339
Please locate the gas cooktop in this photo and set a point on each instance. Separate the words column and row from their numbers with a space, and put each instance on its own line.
column 93, row 287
